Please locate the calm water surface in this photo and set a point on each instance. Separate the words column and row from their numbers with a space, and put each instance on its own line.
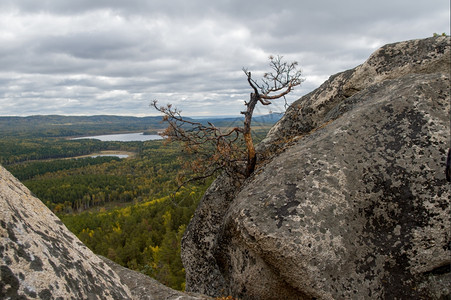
column 123, row 137
column 116, row 155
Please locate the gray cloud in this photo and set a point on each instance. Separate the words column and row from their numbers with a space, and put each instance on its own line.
column 114, row 57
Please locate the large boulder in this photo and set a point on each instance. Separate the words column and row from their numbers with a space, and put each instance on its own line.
column 358, row 209
column 351, row 200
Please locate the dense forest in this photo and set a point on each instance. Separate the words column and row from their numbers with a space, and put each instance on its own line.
column 15, row 150
column 144, row 237
column 123, row 209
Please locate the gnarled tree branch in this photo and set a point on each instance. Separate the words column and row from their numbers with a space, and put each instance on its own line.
column 219, row 150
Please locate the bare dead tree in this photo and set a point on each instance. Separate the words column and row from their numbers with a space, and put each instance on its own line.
column 276, row 84
column 234, row 148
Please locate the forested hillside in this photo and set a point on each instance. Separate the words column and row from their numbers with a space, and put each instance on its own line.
column 122, row 209
column 144, row 237
column 57, row 126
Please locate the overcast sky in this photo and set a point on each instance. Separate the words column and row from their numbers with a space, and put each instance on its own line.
column 88, row 57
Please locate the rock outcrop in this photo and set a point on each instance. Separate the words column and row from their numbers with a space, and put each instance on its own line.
column 41, row 259
column 391, row 61
column 350, row 200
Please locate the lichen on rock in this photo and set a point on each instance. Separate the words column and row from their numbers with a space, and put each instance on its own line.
column 355, row 205
column 41, row 258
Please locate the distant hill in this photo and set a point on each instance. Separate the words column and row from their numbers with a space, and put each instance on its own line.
column 58, row 126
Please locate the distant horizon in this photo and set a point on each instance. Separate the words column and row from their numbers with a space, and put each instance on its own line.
column 135, row 116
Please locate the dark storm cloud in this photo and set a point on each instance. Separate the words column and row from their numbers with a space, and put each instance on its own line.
column 99, row 57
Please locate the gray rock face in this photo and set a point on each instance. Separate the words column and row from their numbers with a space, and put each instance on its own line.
column 41, row 258
column 355, row 205
column 199, row 244
column 357, row 209
column 392, row 61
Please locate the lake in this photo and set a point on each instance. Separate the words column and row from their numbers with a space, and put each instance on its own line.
column 116, row 155
column 123, row 137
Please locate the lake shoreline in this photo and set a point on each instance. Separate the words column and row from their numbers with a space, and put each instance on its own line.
column 123, row 137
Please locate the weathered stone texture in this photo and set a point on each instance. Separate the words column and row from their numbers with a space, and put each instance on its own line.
column 41, row 258
column 199, row 245
column 392, row 61
column 359, row 209
column 352, row 201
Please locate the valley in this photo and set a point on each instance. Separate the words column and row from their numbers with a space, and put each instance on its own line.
column 120, row 197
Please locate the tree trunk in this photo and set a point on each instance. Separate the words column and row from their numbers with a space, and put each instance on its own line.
column 251, row 155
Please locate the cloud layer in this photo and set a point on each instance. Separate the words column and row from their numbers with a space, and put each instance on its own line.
column 113, row 57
